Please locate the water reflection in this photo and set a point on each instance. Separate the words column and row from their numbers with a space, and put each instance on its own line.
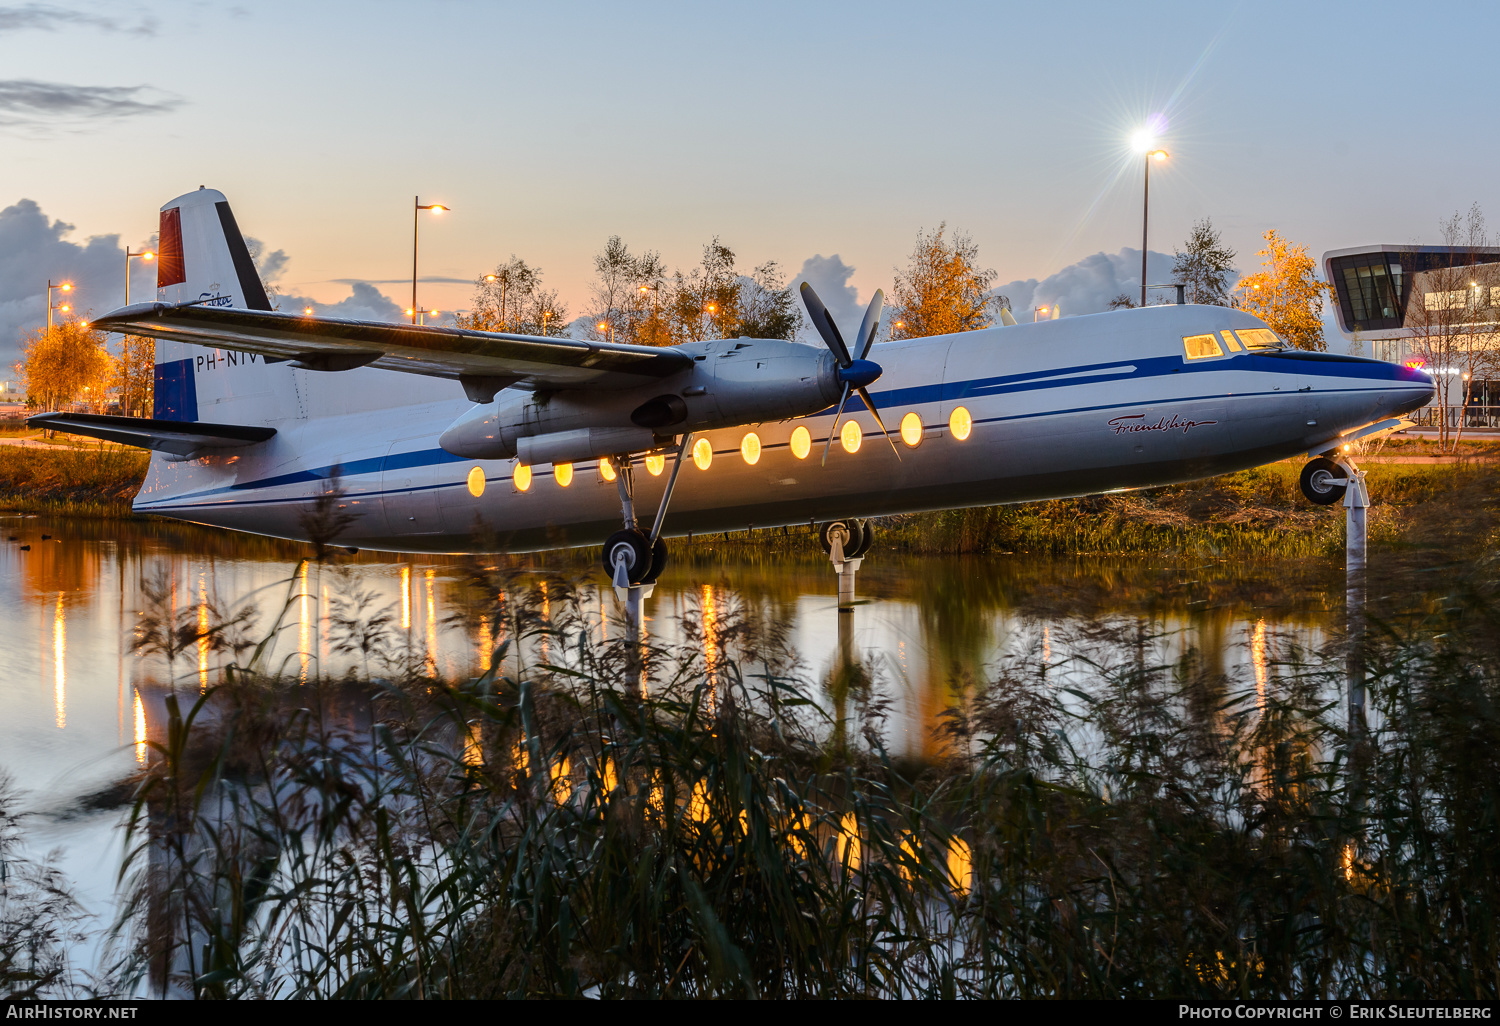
column 60, row 664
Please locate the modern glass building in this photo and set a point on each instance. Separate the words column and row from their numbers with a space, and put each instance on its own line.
column 1436, row 305
column 1372, row 284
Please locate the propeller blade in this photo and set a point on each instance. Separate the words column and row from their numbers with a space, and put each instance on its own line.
column 835, row 429
column 871, row 324
column 876, row 414
column 823, row 321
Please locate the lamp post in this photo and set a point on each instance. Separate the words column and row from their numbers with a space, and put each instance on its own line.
column 417, row 207
column 62, row 286
column 1146, row 215
column 144, row 254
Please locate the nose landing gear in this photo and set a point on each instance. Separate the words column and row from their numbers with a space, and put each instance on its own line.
column 1325, row 481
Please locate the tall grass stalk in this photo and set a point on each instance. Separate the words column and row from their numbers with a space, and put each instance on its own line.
column 545, row 829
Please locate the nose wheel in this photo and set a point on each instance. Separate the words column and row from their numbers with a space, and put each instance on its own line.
column 1324, row 481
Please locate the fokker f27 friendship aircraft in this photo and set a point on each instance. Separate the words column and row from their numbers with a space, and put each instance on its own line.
column 438, row 436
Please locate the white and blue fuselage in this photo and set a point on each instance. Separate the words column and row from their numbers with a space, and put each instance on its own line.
column 1078, row 406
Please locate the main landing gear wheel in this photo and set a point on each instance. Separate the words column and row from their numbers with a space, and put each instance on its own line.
column 1324, row 481
column 658, row 561
column 859, row 535
column 633, row 551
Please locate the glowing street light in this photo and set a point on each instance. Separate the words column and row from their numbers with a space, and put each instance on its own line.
column 62, row 286
column 1144, row 142
column 144, row 254
column 418, row 207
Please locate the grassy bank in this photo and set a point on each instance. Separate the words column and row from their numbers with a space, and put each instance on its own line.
column 1253, row 513
column 1258, row 512
column 86, row 481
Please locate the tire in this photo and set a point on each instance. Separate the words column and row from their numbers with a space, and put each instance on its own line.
column 632, row 546
column 864, row 532
column 658, row 561
column 1320, row 481
column 850, row 529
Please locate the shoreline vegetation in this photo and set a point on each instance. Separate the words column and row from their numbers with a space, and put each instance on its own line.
column 1251, row 513
column 556, row 827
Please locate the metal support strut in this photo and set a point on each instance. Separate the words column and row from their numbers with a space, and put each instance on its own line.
column 1356, row 507
column 846, row 568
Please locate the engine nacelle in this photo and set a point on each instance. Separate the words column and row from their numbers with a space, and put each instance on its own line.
column 732, row 382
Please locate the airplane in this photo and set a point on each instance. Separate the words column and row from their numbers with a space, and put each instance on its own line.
column 441, row 440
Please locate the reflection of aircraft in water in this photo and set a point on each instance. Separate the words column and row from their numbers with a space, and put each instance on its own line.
column 440, row 434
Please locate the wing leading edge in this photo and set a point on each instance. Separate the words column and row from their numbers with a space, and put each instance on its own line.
column 483, row 361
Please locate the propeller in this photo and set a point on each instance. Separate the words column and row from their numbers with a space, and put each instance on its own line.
column 854, row 371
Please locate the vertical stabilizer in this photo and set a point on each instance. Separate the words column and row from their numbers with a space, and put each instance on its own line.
column 202, row 258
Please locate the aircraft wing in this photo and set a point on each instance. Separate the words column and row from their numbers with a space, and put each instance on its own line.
column 484, row 361
column 176, row 438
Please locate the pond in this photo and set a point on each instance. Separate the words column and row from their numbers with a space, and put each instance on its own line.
column 78, row 705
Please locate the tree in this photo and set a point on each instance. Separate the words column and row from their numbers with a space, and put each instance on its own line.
column 627, row 295
column 512, row 299
column 1451, row 315
column 135, row 375
column 943, row 288
column 1287, row 294
column 65, row 365
column 1205, row 267
column 768, row 307
column 1122, row 302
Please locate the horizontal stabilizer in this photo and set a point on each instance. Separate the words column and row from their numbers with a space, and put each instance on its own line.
column 325, row 343
column 174, row 437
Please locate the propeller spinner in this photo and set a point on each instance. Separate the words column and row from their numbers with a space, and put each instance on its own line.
column 855, row 372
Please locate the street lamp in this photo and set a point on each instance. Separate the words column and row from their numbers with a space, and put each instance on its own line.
column 1157, row 155
column 605, row 326
column 418, row 207
column 62, row 286
column 144, row 254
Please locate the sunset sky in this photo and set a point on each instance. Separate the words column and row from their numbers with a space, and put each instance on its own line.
column 788, row 130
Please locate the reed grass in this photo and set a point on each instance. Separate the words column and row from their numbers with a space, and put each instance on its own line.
column 737, row 829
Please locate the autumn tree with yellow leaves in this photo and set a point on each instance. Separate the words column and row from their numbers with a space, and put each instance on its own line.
column 943, row 289
column 1287, row 294
column 66, row 364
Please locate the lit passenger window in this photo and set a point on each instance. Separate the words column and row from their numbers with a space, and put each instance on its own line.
column 960, row 423
column 1229, row 342
column 1199, row 347
column 911, row 430
column 607, row 469
column 476, row 482
column 703, row 453
column 521, row 477
column 563, row 472
column 750, row 448
column 655, row 464
column 801, row 442
column 850, row 436
column 1259, row 338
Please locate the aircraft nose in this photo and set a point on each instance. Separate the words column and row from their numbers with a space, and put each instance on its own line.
column 1412, row 387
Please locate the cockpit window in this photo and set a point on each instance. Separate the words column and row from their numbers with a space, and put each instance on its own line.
column 1259, row 338
column 1200, row 347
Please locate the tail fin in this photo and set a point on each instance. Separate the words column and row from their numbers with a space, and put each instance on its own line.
column 202, row 258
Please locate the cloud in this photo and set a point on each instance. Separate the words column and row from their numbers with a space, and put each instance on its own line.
column 1087, row 286
column 271, row 265
column 364, row 303
column 829, row 277
column 27, row 101
column 50, row 18
column 34, row 248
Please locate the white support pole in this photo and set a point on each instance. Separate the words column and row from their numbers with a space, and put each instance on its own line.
column 1356, row 508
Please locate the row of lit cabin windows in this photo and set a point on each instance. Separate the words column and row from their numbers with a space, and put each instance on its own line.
column 960, row 423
